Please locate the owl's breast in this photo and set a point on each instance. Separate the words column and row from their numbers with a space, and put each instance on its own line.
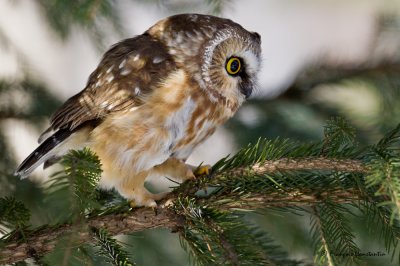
column 174, row 119
column 199, row 118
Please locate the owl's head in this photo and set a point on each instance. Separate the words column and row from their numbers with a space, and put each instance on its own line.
column 219, row 54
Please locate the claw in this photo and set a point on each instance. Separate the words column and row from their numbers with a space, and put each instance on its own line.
column 202, row 170
column 147, row 199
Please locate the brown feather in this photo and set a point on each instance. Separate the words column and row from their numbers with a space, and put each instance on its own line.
column 118, row 82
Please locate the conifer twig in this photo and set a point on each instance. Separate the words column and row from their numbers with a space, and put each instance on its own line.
column 270, row 166
column 320, row 231
column 42, row 241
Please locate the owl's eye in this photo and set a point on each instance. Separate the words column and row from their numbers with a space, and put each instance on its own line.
column 233, row 66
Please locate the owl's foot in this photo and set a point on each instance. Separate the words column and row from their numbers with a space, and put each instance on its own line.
column 146, row 199
column 202, row 170
column 176, row 169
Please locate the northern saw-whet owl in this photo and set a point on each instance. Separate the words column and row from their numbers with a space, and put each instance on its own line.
column 154, row 98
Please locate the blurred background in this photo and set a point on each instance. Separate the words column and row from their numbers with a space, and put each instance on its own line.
column 320, row 59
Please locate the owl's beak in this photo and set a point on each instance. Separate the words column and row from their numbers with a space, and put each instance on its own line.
column 246, row 90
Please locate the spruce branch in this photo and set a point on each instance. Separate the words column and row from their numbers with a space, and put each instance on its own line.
column 13, row 212
column 43, row 241
column 287, row 164
column 110, row 249
column 218, row 237
column 332, row 235
column 269, row 174
column 322, row 254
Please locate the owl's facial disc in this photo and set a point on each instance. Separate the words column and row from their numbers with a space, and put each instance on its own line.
column 231, row 64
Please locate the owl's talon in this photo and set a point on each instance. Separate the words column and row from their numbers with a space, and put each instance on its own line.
column 168, row 203
column 189, row 175
column 143, row 203
column 147, row 199
column 202, row 170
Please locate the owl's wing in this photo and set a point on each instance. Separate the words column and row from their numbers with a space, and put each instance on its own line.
column 130, row 70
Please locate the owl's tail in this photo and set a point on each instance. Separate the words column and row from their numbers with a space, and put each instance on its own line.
column 46, row 151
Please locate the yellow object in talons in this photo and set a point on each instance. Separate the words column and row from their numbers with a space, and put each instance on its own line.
column 202, row 170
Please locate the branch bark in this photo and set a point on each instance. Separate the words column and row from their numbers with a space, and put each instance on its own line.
column 301, row 164
column 43, row 241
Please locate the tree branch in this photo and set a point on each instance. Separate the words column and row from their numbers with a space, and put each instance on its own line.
column 42, row 241
column 301, row 164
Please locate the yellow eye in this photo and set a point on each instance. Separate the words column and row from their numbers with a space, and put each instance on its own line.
column 233, row 66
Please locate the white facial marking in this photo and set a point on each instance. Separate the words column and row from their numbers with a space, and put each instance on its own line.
column 251, row 61
column 220, row 37
column 136, row 57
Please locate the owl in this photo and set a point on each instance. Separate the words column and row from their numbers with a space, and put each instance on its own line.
column 152, row 99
